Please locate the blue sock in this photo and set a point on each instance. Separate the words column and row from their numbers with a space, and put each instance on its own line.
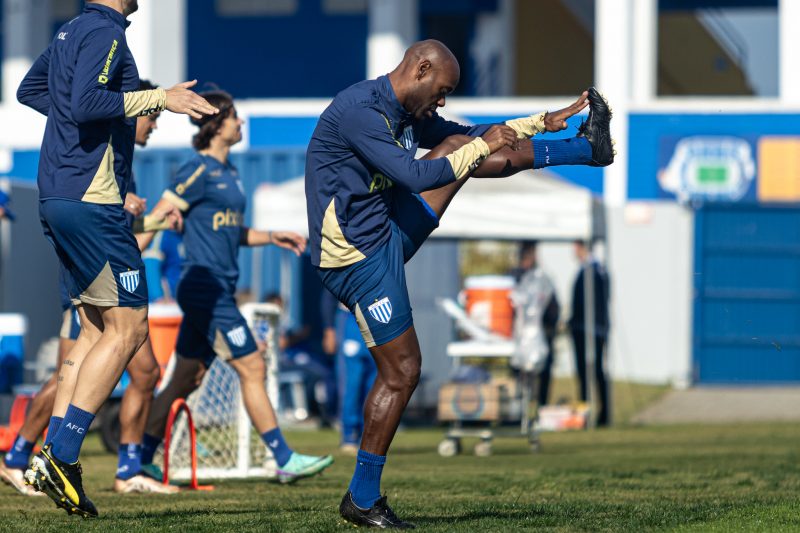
column 280, row 450
column 149, row 446
column 366, row 483
column 69, row 439
column 130, row 461
column 52, row 429
column 573, row 151
column 19, row 454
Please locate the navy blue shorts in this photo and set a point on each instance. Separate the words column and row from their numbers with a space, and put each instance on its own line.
column 98, row 250
column 374, row 289
column 212, row 324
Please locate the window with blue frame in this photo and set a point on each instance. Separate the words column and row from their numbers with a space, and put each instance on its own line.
column 718, row 47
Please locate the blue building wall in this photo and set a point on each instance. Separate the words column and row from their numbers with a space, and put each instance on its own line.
column 308, row 54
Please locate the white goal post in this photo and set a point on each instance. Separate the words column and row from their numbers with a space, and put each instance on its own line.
column 227, row 444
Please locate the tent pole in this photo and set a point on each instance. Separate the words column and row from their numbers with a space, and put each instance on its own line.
column 589, row 336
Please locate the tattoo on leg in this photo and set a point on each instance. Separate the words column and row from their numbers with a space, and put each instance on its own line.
column 60, row 378
column 69, row 363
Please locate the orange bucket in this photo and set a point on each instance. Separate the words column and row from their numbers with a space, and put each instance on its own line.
column 488, row 302
column 165, row 322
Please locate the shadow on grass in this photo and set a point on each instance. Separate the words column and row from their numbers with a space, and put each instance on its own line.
column 176, row 513
column 509, row 517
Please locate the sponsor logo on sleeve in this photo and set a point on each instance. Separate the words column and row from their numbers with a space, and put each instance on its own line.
column 103, row 78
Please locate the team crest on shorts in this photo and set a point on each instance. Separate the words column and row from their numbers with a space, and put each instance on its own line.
column 381, row 310
column 129, row 280
column 237, row 336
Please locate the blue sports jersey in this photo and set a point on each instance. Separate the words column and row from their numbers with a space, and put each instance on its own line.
column 211, row 196
column 86, row 83
column 362, row 149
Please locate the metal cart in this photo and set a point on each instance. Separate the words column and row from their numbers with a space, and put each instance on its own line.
column 518, row 409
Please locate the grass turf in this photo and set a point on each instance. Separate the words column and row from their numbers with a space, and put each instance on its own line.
column 701, row 478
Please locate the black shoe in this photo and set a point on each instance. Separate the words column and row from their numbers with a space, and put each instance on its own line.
column 379, row 515
column 597, row 131
column 61, row 482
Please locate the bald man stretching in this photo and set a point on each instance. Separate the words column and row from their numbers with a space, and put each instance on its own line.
column 371, row 205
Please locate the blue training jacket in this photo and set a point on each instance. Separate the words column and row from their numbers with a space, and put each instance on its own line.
column 86, row 83
column 362, row 149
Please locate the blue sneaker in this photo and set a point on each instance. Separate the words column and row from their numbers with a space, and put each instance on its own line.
column 300, row 466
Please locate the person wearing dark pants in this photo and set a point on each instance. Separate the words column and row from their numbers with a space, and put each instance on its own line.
column 577, row 325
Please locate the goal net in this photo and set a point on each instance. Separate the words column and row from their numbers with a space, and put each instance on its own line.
column 227, row 444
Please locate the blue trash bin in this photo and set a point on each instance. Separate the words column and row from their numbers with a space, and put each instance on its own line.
column 13, row 327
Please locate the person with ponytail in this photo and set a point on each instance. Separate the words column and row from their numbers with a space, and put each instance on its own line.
column 208, row 191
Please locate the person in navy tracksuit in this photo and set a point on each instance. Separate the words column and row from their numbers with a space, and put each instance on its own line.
column 371, row 204
column 577, row 326
column 87, row 84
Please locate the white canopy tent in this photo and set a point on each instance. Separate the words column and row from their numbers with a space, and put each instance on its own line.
column 527, row 205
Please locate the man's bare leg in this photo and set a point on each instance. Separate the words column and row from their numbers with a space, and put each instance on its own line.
column 136, row 402
column 186, row 377
column 399, row 362
column 252, row 372
column 124, row 332
column 91, row 332
column 503, row 163
column 138, row 398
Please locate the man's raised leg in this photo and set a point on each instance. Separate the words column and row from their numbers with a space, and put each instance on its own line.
column 592, row 146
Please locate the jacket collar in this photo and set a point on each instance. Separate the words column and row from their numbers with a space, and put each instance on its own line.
column 396, row 113
column 113, row 14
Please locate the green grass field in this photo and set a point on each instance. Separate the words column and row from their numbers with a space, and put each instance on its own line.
column 725, row 478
